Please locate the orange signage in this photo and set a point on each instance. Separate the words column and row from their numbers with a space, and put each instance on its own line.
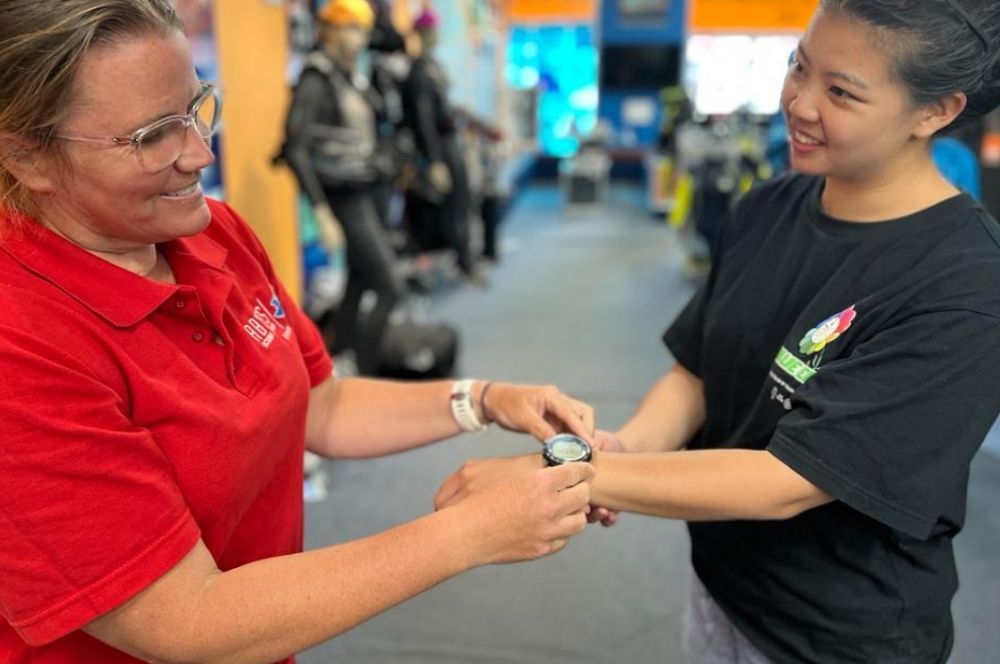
column 751, row 15
column 548, row 11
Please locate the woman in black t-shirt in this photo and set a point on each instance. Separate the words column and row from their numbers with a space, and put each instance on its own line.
column 838, row 370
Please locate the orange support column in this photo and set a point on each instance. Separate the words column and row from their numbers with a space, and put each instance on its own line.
column 253, row 46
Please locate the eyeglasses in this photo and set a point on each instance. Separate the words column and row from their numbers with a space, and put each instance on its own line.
column 159, row 144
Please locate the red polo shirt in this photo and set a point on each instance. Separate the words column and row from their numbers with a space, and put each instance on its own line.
column 137, row 417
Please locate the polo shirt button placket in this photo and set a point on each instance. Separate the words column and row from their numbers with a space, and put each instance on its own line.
column 180, row 302
column 198, row 336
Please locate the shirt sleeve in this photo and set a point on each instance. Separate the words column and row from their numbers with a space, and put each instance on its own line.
column 90, row 514
column 891, row 429
column 685, row 335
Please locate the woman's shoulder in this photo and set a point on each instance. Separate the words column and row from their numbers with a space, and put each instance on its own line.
column 769, row 204
column 982, row 225
column 959, row 226
column 43, row 325
column 959, row 260
column 977, row 234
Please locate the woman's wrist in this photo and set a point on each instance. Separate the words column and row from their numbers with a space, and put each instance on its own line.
column 623, row 445
column 465, row 405
column 482, row 408
column 458, row 526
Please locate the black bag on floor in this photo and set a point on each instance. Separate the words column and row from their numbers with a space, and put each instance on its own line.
column 414, row 351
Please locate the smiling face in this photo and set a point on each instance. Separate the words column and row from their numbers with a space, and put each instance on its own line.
column 848, row 117
column 98, row 194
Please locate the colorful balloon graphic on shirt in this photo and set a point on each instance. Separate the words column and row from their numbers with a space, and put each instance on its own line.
column 827, row 332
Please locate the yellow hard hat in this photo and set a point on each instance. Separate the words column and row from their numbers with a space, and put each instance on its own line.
column 345, row 12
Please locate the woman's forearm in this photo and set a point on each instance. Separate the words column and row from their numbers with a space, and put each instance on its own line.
column 703, row 485
column 287, row 606
column 363, row 418
column 267, row 610
column 366, row 418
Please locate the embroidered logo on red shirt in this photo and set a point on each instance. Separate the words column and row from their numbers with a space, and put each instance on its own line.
column 276, row 309
column 265, row 325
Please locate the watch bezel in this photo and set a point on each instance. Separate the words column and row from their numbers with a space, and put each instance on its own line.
column 552, row 459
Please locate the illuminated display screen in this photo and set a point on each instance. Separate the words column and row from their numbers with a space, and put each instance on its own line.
column 724, row 73
column 560, row 63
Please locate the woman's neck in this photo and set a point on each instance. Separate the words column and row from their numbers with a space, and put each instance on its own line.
column 146, row 260
column 914, row 187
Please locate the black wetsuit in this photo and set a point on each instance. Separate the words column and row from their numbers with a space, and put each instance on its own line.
column 332, row 146
column 425, row 98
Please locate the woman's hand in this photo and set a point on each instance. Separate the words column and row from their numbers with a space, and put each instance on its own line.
column 531, row 513
column 541, row 411
column 477, row 474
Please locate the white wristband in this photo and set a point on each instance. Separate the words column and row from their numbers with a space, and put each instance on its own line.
column 462, row 409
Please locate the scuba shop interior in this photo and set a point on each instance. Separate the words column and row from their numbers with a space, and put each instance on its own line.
column 509, row 94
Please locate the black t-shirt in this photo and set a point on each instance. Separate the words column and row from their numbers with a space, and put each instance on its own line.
column 865, row 356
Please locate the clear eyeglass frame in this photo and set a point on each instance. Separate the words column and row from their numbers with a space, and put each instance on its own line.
column 160, row 144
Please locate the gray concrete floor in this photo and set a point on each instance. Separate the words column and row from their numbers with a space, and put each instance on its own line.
column 580, row 302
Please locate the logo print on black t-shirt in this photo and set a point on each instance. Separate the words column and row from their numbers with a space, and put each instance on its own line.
column 813, row 343
column 818, row 338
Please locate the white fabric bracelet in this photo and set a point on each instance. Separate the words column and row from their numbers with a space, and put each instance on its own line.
column 462, row 409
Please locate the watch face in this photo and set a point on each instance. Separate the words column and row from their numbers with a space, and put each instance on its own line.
column 566, row 448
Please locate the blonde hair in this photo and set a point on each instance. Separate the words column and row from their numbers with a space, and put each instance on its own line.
column 42, row 43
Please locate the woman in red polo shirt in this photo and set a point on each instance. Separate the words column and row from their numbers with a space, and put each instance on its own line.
column 160, row 385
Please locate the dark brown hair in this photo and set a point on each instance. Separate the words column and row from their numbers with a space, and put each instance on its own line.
column 938, row 47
